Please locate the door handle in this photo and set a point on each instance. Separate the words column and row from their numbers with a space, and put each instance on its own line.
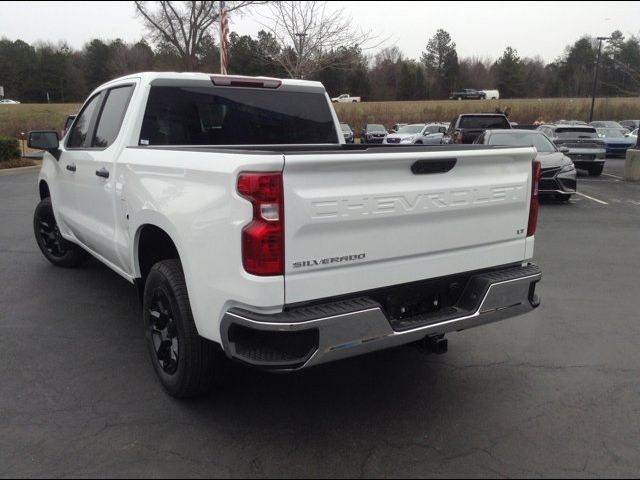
column 103, row 172
column 71, row 167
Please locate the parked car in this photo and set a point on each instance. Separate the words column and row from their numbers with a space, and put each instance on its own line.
column 630, row 124
column 373, row 133
column 345, row 98
column 468, row 94
column 397, row 127
column 6, row 101
column 586, row 149
column 465, row 128
column 610, row 124
column 616, row 143
column 347, row 132
column 491, row 94
column 417, row 133
column 558, row 176
column 379, row 250
column 571, row 122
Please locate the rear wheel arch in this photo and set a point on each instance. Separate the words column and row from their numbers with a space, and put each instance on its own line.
column 43, row 188
column 153, row 244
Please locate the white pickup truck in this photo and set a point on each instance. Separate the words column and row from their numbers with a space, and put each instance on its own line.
column 345, row 98
column 254, row 233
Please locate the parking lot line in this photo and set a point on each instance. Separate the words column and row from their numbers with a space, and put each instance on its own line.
column 612, row 176
column 591, row 198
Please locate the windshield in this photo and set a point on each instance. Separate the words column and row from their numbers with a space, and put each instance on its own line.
column 412, row 129
column 607, row 124
column 375, row 128
column 523, row 139
column 609, row 133
column 345, row 128
column 576, row 133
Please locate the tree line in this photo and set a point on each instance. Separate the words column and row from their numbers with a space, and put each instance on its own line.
column 58, row 73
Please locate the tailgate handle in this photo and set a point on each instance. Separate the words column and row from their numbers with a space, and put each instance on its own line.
column 436, row 165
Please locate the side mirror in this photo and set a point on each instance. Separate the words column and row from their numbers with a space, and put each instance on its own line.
column 564, row 150
column 44, row 140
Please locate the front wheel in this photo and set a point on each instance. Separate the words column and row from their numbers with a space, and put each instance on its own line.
column 53, row 246
column 563, row 197
column 186, row 364
column 596, row 171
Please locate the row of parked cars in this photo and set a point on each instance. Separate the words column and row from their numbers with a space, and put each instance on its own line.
column 563, row 146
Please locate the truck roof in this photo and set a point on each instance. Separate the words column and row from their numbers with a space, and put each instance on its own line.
column 167, row 78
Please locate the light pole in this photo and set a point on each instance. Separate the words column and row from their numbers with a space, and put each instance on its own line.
column 300, row 57
column 595, row 76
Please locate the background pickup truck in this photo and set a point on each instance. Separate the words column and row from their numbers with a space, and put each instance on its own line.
column 345, row 98
column 255, row 234
column 468, row 94
column 467, row 127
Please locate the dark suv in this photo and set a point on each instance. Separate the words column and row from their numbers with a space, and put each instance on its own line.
column 583, row 145
column 373, row 133
column 466, row 128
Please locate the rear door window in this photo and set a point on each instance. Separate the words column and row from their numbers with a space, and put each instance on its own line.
column 236, row 116
column 112, row 115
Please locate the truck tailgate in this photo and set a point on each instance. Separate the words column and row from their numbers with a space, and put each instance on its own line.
column 356, row 221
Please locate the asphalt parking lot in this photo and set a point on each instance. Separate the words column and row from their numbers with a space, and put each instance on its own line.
column 554, row 393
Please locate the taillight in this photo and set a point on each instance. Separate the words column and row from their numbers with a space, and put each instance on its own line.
column 533, row 208
column 263, row 238
column 459, row 137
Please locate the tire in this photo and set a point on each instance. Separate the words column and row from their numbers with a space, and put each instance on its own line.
column 596, row 171
column 354, row 101
column 56, row 249
column 563, row 197
column 186, row 364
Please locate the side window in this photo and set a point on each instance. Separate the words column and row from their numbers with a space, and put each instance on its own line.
column 111, row 116
column 79, row 134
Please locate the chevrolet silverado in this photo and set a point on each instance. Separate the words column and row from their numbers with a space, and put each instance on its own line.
column 254, row 233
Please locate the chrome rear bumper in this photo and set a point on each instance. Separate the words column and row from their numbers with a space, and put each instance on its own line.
column 307, row 336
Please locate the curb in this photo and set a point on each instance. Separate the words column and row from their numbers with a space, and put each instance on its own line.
column 14, row 171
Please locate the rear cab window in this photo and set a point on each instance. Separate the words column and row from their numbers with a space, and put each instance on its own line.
column 485, row 122
column 574, row 132
column 200, row 115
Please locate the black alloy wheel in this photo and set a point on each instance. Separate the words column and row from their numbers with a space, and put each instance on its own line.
column 164, row 332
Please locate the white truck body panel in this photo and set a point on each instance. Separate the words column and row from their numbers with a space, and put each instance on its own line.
column 406, row 225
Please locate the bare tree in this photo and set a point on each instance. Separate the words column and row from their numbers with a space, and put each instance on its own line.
column 184, row 26
column 307, row 32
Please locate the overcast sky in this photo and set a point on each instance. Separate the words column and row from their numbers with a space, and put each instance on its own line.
column 478, row 28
